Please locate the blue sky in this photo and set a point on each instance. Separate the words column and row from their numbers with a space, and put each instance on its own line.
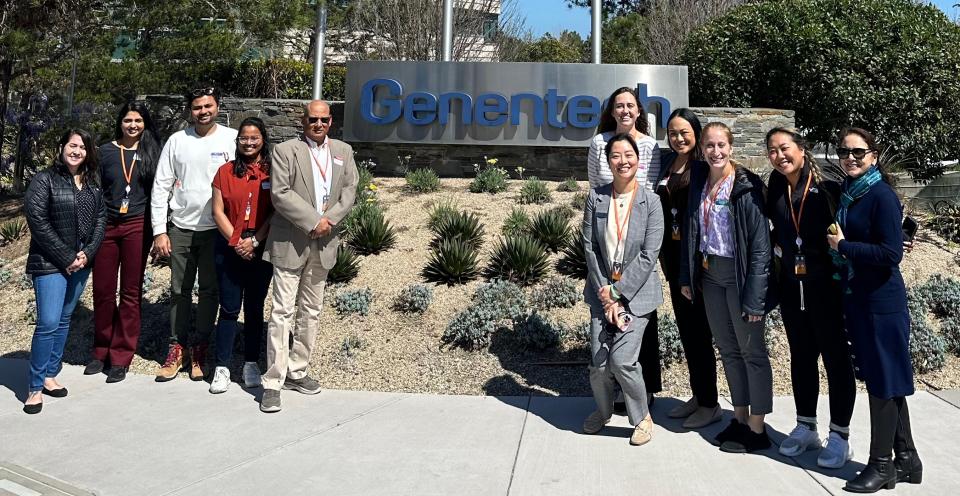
column 553, row 16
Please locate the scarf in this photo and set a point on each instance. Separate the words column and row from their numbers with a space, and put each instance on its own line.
column 853, row 190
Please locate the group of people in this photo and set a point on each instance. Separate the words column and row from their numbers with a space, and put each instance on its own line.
column 229, row 212
column 732, row 249
column 233, row 214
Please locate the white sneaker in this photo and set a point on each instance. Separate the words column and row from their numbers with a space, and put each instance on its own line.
column 801, row 439
column 251, row 375
column 221, row 380
column 836, row 452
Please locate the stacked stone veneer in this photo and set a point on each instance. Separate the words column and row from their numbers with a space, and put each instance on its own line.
column 283, row 120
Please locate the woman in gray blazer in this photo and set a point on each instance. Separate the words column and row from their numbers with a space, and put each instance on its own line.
column 622, row 233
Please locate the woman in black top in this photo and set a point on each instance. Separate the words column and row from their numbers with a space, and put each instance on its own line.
column 673, row 186
column 64, row 209
column 801, row 205
column 127, row 168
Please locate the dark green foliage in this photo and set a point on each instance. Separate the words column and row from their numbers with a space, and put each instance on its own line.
column 423, row 180
column 539, row 332
column 453, row 261
column 581, row 332
column 12, row 230
column 440, row 211
column 942, row 296
column 505, row 297
column 414, row 298
column 364, row 192
column 353, row 301
column 926, row 347
column 371, row 233
column 565, row 211
column 671, row 349
column 471, row 329
column 573, row 257
column 889, row 66
column 568, row 47
column 569, row 185
column 579, row 201
column 352, row 345
column 490, row 179
column 517, row 223
column 520, row 259
column 534, row 191
column 460, row 225
column 551, row 228
column 556, row 292
column 946, row 221
column 346, row 268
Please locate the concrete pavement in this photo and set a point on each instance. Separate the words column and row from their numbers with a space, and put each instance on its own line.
column 143, row 438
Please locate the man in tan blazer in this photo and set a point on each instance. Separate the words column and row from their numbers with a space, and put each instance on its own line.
column 314, row 187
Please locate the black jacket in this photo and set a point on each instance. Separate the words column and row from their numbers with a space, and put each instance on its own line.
column 751, row 238
column 50, row 207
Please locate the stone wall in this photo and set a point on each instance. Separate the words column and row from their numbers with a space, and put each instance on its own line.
column 283, row 120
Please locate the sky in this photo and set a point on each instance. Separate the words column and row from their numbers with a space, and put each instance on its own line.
column 553, row 16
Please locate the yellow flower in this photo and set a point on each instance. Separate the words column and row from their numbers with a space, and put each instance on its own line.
column 373, row 187
column 491, row 161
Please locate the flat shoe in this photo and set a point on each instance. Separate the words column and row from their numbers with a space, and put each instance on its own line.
column 703, row 417
column 55, row 393
column 32, row 409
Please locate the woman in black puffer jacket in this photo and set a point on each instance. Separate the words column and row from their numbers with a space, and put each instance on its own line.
column 65, row 212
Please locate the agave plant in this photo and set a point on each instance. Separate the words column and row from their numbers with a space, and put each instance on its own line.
column 372, row 233
column 460, row 225
column 551, row 228
column 347, row 266
column 520, row 259
column 517, row 223
column 452, row 261
column 534, row 191
column 441, row 210
column 573, row 258
column 12, row 230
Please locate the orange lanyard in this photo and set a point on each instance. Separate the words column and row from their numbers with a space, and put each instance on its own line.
column 616, row 212
column 123, row 163
column 708, row 202
column 316, row 162
column 803, row 200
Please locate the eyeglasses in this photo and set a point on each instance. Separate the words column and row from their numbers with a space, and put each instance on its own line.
column 197, row 93
column 248, row 140
column 325, row 120
column 858, row 153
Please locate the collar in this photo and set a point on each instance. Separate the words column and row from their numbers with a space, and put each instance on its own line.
column 314, row 145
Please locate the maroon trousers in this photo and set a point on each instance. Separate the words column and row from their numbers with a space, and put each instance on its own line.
column 124, row 250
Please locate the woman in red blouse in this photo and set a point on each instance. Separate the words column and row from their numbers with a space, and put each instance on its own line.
column 242, row 210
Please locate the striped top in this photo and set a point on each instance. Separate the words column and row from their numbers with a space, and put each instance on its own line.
column 598, row 170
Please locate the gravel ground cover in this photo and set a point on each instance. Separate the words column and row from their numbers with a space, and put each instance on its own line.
column 390, row 351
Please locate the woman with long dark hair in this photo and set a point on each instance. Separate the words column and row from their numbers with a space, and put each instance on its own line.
column 673, row 186
column 65, row 212
column 127, row 166
column 866, row 243
column 242, row 209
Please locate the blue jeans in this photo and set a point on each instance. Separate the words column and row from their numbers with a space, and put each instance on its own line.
column 241, row 282
column 57, row 295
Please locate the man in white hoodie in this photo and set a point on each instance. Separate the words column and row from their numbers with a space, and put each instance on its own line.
column 185, row 171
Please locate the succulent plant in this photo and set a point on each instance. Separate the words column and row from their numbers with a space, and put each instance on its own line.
column 461, row 225
column 452, row 261
column 534, row 191
column 520, row 259
column 347, row 266
column 573, row 257
column 551, row 228
column 517, row 223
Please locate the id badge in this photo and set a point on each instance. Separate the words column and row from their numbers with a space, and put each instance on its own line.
column 705, row 263
column 800, row 265
column 124, row 205
column 675, row 232
column 246, row 214
column 616, row 271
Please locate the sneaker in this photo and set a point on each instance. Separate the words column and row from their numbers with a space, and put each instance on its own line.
column 748, row 442
column 221, row 380
column 93, row 368
column 198, row 356
column 703, row 417
column 305, row 385
column 734, row 430
column 801, row 439
column 594, row 423
column 836, row 452
column 684, row 410
column 643, row 432
column 251, row 375
column 173, row 363
column 271, row 401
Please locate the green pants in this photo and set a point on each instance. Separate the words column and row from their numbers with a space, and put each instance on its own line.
column 192, row 256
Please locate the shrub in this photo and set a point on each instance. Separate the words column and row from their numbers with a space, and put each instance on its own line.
column 551, row 229
column 564, row 211
column 506, row 299
column 462, row 226
column 519, row 259
column 5, row 275
column 671, row 349
column 351, row 345
column 569, row 185
column 364, row 181
column 12, row 230
column 453, row 261
column 946, row 221
column 490, row 178
column 423, row 180
column 573, row 257
column 581, row 332
column 25, row 282
column 346, row 268
column 534, row 191
column 950, row 332
column 557, row 292
column 441, row 210
column 579, row 201
column 517, row 223
column 471, row 328
column 539, row 332
column 348, row 226
column 414, row 298
column 148, row 278
column 30, row 312
column 371, row 233
column 942, row 295
column 926, row 347
column 353, row 301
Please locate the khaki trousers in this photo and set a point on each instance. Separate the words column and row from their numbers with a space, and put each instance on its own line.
column 295, row 292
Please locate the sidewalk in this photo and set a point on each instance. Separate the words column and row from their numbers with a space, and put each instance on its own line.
column 143, row 438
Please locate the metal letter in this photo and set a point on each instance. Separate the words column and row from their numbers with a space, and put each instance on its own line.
column 368, row 95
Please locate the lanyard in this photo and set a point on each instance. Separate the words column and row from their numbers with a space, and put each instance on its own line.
column 123, row 163
column 795, row 217
column 316, row 162
column 616, row 213
column 254, row 178
column 709, row 202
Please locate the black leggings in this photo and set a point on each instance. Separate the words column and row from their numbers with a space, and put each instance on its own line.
column 890, row 427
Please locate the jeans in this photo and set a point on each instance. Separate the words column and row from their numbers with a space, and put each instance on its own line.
column 57, row 295
column 241, row 282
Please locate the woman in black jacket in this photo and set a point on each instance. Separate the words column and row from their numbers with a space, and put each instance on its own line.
column 727, row 257
column 65, row 212
column 801, row 205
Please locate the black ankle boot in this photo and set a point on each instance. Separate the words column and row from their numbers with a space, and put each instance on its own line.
column 879, row 473
column 909, row 468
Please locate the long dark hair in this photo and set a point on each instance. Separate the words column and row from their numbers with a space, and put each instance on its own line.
column 620, row 137
column 89, row 168
column 149, row 147
column 608, row 123
column 802, row 143
column 694, row 121
column 239, row 164
column 871, row 144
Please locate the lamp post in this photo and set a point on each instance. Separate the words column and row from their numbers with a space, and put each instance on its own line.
column 447, row 30
column 595, row 30
column 321, row 46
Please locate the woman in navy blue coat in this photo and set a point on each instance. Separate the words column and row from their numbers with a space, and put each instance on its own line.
column 866, row 244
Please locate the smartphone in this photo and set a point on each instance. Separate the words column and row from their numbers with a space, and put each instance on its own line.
column 909, row 228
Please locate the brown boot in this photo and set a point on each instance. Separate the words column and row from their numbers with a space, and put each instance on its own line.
column 198, row 355
column 173, row 363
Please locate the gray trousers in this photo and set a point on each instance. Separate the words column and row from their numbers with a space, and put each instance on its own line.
column 741, row 343
column 615, row 355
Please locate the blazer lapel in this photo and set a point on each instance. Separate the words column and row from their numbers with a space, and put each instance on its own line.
column 336, row 169
column 636, row 231
column 601, row 214
column 305, row 163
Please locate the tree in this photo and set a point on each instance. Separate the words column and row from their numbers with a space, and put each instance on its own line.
column 569, row 47
column 623, row 40
column 889, row 66
column 615, row 8
column 669, row 22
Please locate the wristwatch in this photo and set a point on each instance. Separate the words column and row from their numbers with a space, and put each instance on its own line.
column 255, row 242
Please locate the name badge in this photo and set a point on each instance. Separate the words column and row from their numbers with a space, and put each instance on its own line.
column 722, row 202
column 326, row 199
column 265, row 185
column 218, row 158
column 777, row 251
column 337, row 161
column 663, row 182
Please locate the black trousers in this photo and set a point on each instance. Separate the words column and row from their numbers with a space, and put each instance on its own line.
column 650, row 356
column 818, row 332
column 697, row 344
column 890, row 427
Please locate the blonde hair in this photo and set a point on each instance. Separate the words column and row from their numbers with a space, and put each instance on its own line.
column 726, row 130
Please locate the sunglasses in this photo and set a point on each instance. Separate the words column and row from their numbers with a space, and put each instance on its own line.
column 325, row 120
column 858, row 153
column 197, row 93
